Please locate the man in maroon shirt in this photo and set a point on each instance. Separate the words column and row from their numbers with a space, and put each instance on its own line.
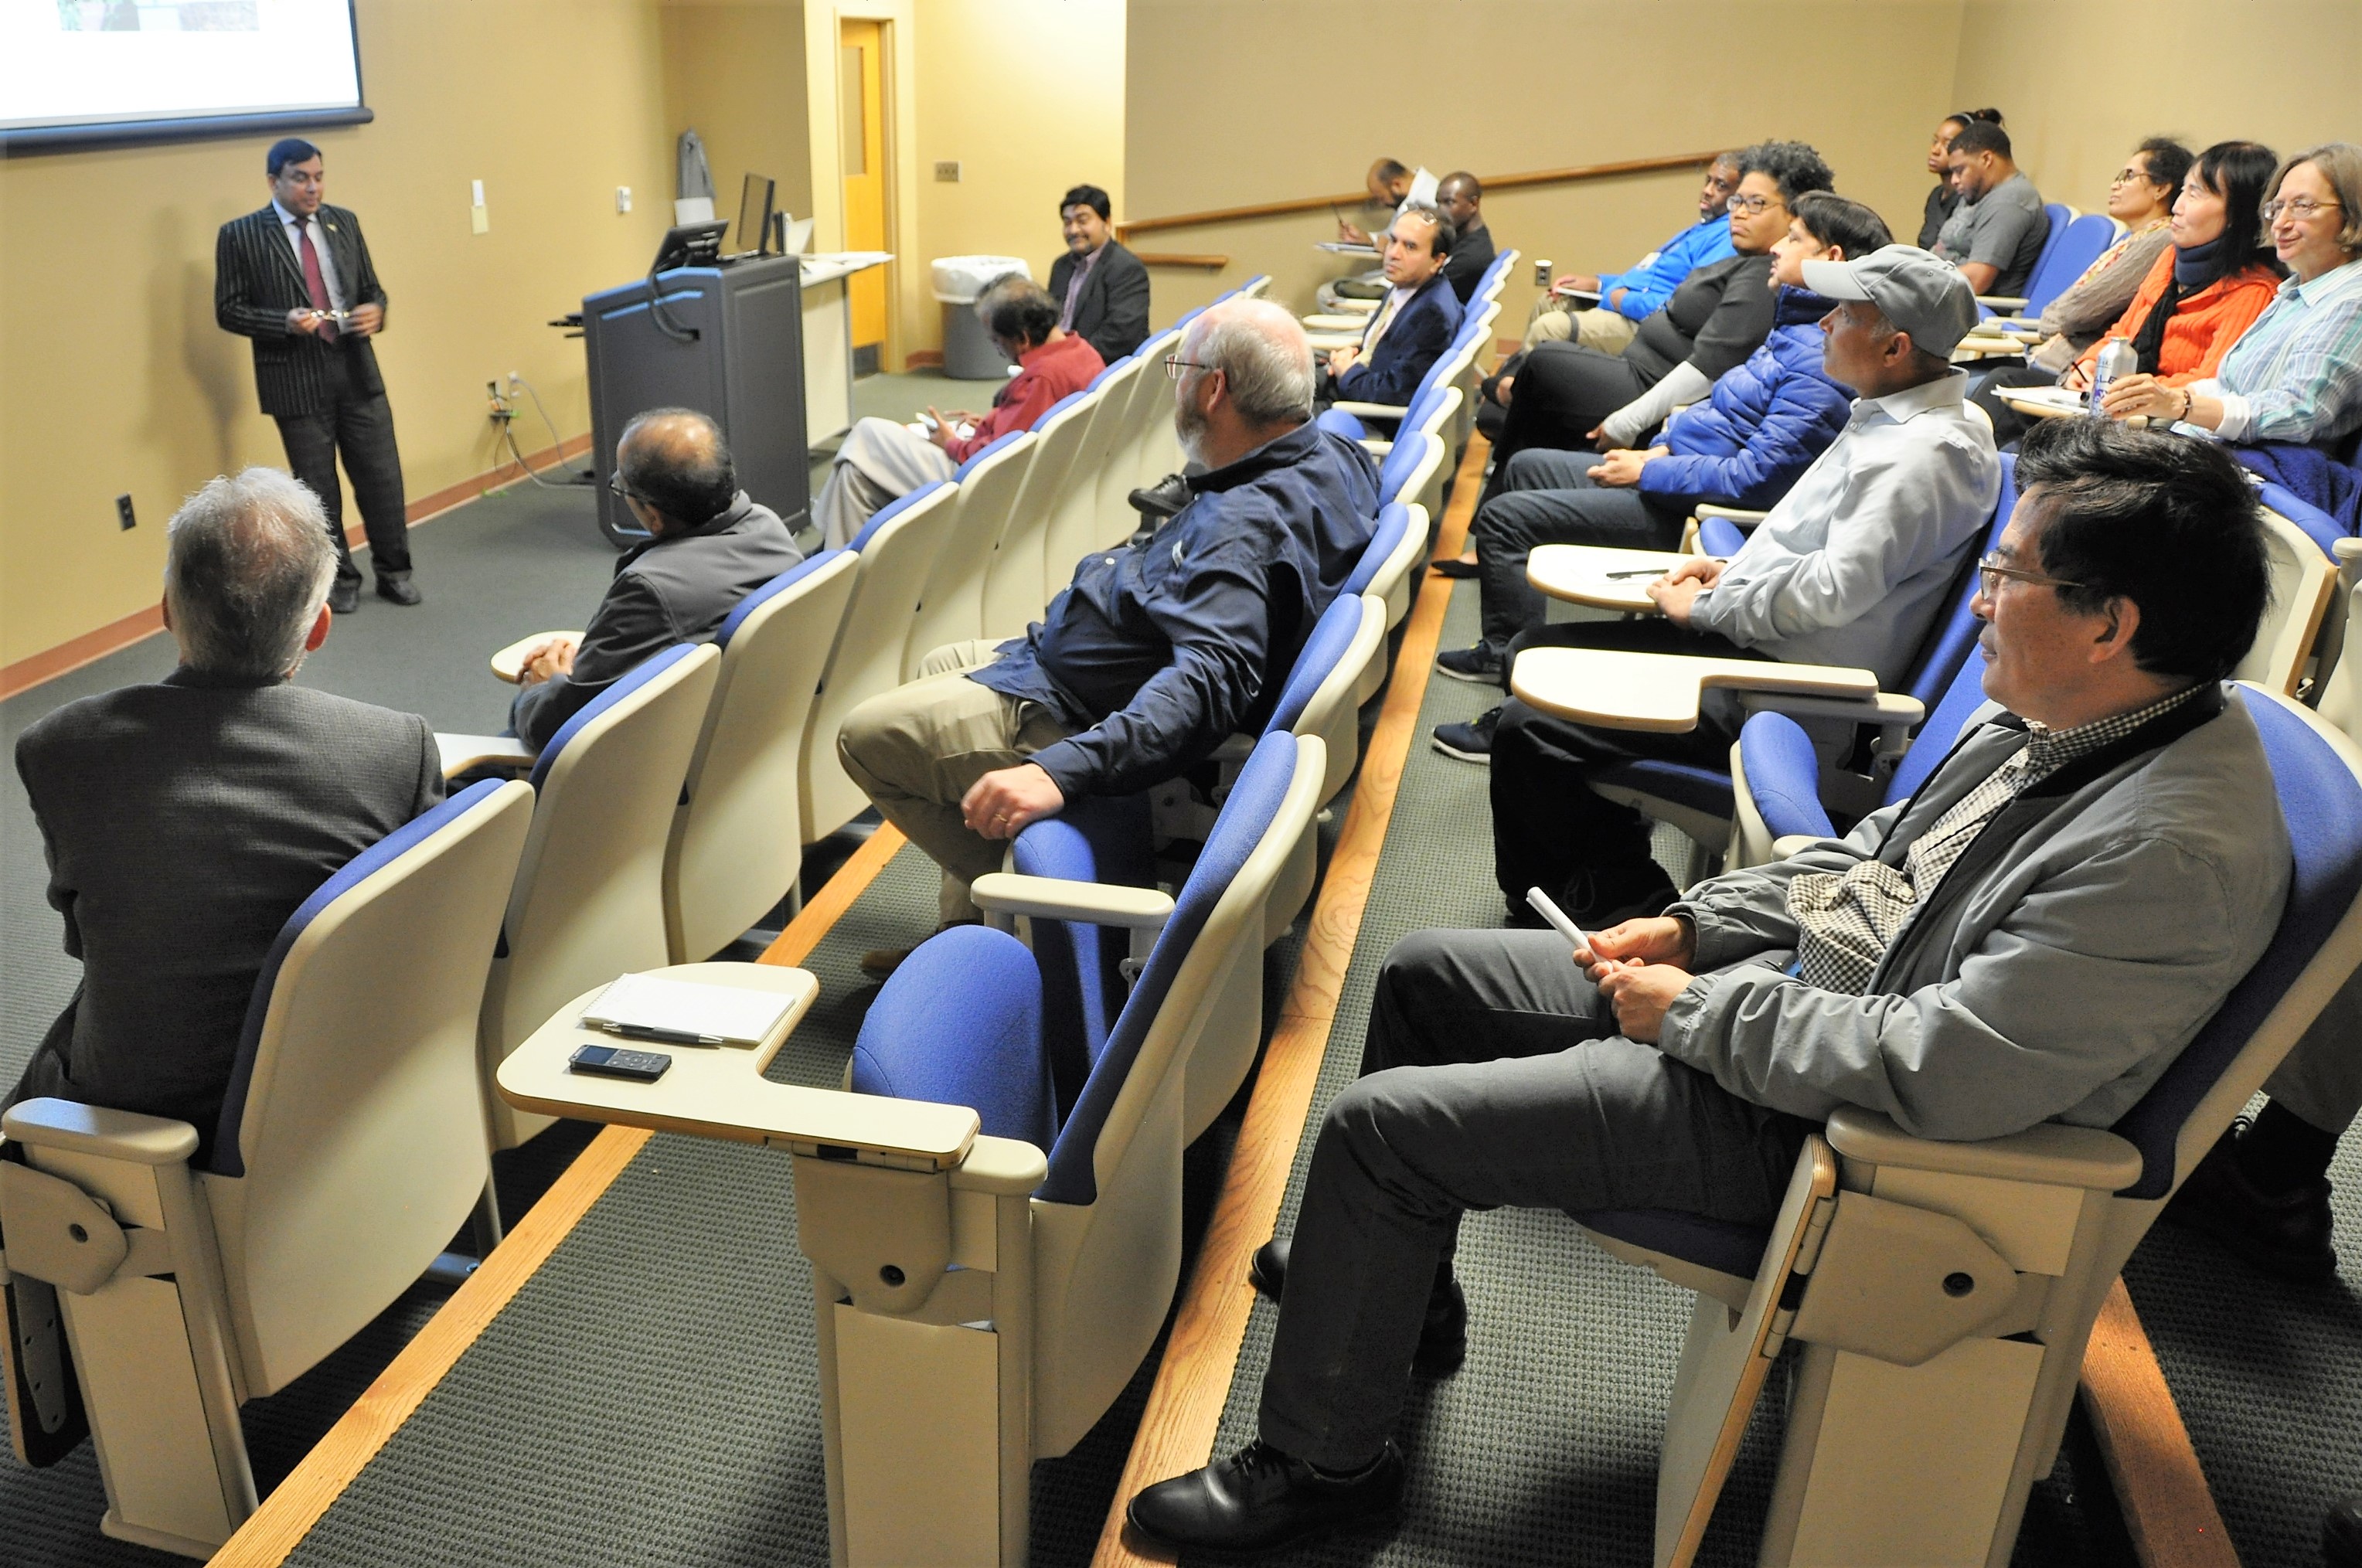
column 881, row 460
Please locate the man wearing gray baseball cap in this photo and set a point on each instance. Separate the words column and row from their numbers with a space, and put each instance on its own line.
column 1851, row 567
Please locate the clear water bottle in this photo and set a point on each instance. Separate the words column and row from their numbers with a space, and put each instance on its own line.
column 2114, row 358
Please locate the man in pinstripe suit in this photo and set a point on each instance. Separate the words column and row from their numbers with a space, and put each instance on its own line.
column 296, row 278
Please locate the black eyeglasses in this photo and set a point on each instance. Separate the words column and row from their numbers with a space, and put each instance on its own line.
column 1748, row 205
column 1174, row 365
column 622, row 491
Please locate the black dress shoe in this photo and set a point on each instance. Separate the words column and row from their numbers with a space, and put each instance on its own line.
column 1163, row 499
column 1442, row 1334
column 399, row 591
column 2285, row 1234
column 2340, row 1534
column 1260, row 1498
column 344, row 598
column 1452, row 566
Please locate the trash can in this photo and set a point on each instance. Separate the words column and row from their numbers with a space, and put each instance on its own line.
column 968, row 353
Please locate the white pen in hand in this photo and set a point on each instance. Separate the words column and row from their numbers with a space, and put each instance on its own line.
column 1549, row 910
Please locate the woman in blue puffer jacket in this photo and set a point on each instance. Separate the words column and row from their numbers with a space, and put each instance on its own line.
column 1753, row 438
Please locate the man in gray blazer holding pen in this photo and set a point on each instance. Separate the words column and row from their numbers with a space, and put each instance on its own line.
column 2033, row 936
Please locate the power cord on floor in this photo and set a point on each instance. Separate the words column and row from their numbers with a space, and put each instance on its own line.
column 573, row 477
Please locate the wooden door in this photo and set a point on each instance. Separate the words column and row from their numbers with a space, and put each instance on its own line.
column 860, row 143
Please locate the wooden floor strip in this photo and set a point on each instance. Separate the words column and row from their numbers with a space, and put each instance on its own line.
column 2158, row 1484
column 297, row 1502
column 1193, row 1383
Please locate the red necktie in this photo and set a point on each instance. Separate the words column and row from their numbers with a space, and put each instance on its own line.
column 314, row 283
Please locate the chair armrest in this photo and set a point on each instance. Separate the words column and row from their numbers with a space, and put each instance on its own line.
column 462, row 753
column 1792, row 843
column 1887, row 710
column 1706, row 509
column 1376, row 448
column 1357, row 308
column 1373, row 410
column 1057, row 897
column 2349, row 548
column 73, row 1128
column 1662, row 693
column 2012, row 303
column 1005, row 1167
column 2051, row 1155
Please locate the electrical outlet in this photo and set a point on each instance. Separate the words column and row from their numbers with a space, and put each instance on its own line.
column 478, row 220
column 1541, row 272
column 123, row 512
column 623, row 198
column 947, row 172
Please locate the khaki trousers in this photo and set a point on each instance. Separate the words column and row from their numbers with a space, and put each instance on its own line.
column 1601, row 329
column 917, row 749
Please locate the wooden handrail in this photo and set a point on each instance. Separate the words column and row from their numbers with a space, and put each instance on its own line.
column 1124, row 231
column 1177, row 259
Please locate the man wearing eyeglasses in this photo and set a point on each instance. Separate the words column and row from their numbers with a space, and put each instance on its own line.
column 709, row 544
column 1157, row 652
column 2033, row 936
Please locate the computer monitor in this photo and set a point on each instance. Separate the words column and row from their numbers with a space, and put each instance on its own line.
column 689, row 245
column 755, row 199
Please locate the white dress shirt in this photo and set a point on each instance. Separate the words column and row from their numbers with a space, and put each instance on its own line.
column 1854, row 563
column 288, row 226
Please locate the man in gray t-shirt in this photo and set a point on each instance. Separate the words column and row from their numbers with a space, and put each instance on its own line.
column 1997, row 233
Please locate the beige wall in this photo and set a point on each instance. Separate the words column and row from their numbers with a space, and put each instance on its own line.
column 735, row 72
column 2278, row 72
column 1511, row 87
column 113, row 378
column 1028, row 96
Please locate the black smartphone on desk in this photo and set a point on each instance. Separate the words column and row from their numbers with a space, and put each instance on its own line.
column 614, row 1062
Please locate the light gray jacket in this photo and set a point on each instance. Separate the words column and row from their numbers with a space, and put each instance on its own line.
column 2054, row 974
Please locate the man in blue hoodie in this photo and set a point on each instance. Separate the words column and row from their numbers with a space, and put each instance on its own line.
column 1761, row 428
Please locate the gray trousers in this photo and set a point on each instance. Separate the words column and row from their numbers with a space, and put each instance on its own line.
column 1493, row 1075
column 1545, row 497
column 879, row 462
column 2320, row 1080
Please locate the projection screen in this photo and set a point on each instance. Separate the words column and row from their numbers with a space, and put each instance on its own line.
column 85, row 72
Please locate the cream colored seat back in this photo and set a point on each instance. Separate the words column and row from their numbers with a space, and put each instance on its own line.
column 895, row 552
column 351, row 1145
column 1075, row 529
column 588, row 901
column 1145, row 449
column 1014, row 579
column 951, row 606
column 737, row 841
column 2303, row 579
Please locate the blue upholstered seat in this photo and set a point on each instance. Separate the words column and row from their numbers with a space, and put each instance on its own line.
column 960, row 1022
column 1394, row 522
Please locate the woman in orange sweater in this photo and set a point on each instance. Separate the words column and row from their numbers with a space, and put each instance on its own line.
column 2203, row 290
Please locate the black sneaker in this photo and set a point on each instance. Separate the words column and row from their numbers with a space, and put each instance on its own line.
column 1442, row 1334
column 399, row 590
column 2286, row 1235
column 1469, row 741
column 1260, row 1498
column 1479, row 665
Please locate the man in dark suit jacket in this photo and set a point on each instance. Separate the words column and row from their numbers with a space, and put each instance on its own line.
column 1413, row 326
column 296, row 278
column 1101, row 287
column 709, row 547
column 185, row 821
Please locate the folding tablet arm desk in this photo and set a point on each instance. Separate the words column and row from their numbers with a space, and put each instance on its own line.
column 903, row 1208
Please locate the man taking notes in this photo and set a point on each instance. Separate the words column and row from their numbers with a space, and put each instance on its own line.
column 296, row 278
